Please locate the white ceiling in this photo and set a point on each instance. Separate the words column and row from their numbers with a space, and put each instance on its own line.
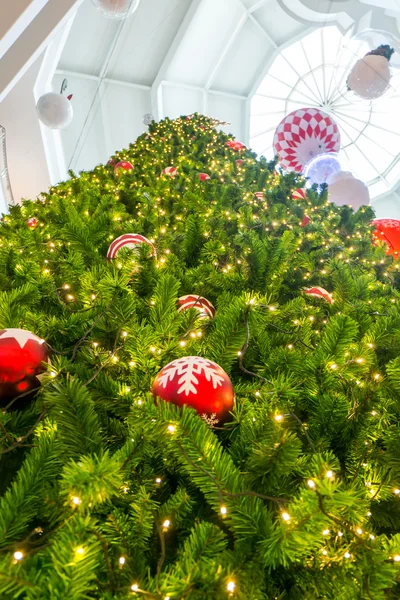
column 177, row 57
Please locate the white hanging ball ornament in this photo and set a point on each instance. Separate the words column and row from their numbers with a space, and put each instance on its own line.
column 148, row 118
column 344, row 188
column 55, row 110
column 321, row 167
column 116, row 9
column 370, row 77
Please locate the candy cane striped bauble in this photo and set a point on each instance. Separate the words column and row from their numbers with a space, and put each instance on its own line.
column 303, row 134
column 204, row 306
column 203, row 176
column 306, row 220
column 319, row 292
column 122, row 167
column 128, row 240
column 299, row 194
column 170, row 171
column 259, row 195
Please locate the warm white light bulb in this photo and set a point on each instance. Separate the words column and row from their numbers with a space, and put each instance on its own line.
column 18, row 555
column 171, row 428
column 278, row 418
column 286, row 516
column 122, row 560
column 311, row 483
column 329, row 474
column 76, row 500
column 347, row 554
column 231, row 586
column 166, row 523
column 223, row 510
column 134, row 587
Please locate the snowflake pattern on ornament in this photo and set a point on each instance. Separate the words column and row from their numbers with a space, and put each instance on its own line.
column 187, row 369
column 211, row 420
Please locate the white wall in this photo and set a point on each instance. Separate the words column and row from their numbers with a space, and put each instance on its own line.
column 25, row 155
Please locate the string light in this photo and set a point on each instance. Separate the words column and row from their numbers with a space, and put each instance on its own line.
column 18, row 555
column 396, row 558
column 122, row 560
column 347, row 554
column 311, row 483
column 171, row 428
column 76, row 500
column 231, row 586
column 166, row 524
column 223, row 510
column 329, row 474
column 80, row 550
column 134, row 587
column 326, row 532
column 285, row 516
column 278, row 418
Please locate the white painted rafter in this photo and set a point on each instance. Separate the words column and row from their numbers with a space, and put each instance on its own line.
column 15, row 18
column 33, row 40
column 156, row 88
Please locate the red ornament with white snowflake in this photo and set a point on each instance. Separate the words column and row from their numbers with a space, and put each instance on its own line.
column 204, row 306
column 203, row 176
column 388, row 231
column 199, row 383
column 170, row 171
column 319, row 292
column 237, row 146
column 122, row 167
column 21, row 355
column 32, row 223
column 128, row 240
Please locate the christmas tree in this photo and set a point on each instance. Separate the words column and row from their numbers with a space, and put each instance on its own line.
column 108, row 492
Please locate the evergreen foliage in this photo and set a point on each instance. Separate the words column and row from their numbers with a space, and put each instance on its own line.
column 105, row 493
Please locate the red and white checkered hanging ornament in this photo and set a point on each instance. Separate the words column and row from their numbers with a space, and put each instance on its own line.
column 303, row 134
column 128, row 240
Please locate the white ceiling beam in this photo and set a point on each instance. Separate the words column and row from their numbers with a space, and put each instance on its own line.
column 31, row 43
column 197, row 88
column 15, row 18
column 156, row 88
column 232, row 39
column 78, row 75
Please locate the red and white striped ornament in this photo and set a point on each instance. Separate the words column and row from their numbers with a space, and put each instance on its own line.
column 204, row 306
column 170, row 171
column 306, row 220
column 128, row 240
column 122, row 167
column 203, row 176
column 319, row 292
column 32, row 223
column 259, row 195
column 299, row 194
column 304, row 134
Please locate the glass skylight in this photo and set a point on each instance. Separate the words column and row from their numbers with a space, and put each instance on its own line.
column 312, row 73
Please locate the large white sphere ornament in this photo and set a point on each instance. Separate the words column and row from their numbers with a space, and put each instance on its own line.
column 55, row 110
column 116, row 9
column 320, row 168
column 370, row 76
column 344, row 188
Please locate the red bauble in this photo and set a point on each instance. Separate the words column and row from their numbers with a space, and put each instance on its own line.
column 32, row 223
column 122, row 167
column 204, row 306
column 238, row 146
column 388, row 231
column 203, row 176
column 239, row 162
column 19, row 395
column 259, row 195
column 197, row 382
column 112, row 162
column 21, row 355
